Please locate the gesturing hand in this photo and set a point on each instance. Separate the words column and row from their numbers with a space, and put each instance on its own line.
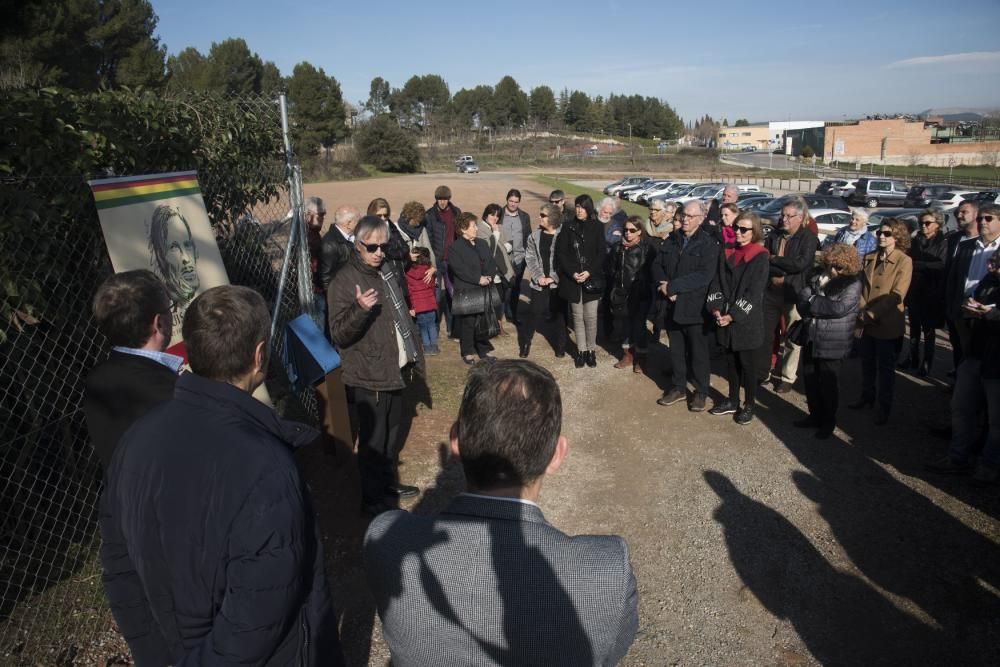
column 366, row 300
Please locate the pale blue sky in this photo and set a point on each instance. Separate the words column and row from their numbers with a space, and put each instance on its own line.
column 763, row 61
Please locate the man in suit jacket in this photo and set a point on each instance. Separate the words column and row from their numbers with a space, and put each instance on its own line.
column 132, row 309
column 489, row 581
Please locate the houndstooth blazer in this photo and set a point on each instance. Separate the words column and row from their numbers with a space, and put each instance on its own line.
column 490, row 582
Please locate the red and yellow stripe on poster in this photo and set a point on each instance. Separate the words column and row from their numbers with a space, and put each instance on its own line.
column 124, row 191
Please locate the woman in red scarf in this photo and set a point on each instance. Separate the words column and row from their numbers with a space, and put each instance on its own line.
column 736, row 301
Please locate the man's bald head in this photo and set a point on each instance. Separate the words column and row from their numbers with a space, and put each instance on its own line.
column 346, row 217
column 730, row 194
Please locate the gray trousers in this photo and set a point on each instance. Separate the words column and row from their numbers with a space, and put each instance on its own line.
column 585, row 323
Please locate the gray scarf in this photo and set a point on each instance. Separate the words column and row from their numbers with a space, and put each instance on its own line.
column 400, row 314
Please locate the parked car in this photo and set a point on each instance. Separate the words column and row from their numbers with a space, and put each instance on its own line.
column 749, row 149
column 464, row 158
column 953, row 198
column 826, row 187
column 633, row 195
column 844, row 191
column 923, row 194
column 987, row 197
column 872, row 192
column 772, row 211
column 829, row 220
column 754, row 203
column 911, row 216
column 468, row 167
column 612, row 188
column 623, row 191
column 756, row 194
column 702, row 191
column 674, row 189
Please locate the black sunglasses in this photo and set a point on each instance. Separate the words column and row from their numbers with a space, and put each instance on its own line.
column 372, row 247
column 885, row 232
column 985, row 218
column 743, row 229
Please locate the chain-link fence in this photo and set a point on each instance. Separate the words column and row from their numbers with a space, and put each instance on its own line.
column 52, row 605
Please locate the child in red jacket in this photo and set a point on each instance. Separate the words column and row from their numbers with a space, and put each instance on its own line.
column 423, row 304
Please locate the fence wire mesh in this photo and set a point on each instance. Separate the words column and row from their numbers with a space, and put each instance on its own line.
column 52, row 604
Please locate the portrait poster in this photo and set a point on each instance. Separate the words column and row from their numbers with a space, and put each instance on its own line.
column 159, row 222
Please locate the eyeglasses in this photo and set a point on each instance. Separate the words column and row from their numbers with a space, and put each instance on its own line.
column 542, row 216
column 986, row 218
column 631, row 230
column 692, row 215
column 372, row 247
column 925, row 223
column 555, row 202
column 789, row 216
column 657, row 210
column 885, row 232
column 740, row 229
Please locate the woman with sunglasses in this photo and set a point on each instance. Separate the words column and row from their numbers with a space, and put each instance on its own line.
column 828, row 305
column 543, row 279
column 925, row 300
column 580, row 253
column 398, row 254
column 631, row 292
column 471, row 265
column 887, row 274
column 736, row 301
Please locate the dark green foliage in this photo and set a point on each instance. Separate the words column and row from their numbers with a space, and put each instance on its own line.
column 271, row 81
column 741, row 122
column 378, row 97
column 317, row 109
column 419, row 102
column 543, row 105
column 807, row 151
column 387, row 146
column 232, row 69
column 575, row 115
column 53, row 142
column 81, row 44
column 510, row 104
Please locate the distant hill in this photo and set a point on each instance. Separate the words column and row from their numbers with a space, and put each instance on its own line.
column 957, row 113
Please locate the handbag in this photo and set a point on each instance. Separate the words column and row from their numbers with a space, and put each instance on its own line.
column 473, row 300
column 487, row 325
column 591, row 285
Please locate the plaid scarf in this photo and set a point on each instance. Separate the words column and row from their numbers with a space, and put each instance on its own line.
column 400, row 314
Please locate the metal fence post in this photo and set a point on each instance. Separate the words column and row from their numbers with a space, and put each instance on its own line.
column 295, row 201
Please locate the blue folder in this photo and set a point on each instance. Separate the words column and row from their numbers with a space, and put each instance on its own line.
column 307, row 354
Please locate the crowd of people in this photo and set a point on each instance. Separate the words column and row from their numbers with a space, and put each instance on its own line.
column 222, row 561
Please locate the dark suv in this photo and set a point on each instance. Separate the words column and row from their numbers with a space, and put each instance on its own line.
column 826, row 187
column 923, row 194
column 872, row 192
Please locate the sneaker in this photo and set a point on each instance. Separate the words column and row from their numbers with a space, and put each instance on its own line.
column 947, row 466
column 782, row 387
column 675, row 395
column 726, row 407
column 985, row 475
column 744, row 416
column 697, row 402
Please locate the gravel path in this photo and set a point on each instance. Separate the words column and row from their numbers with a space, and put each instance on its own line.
column 752, row 545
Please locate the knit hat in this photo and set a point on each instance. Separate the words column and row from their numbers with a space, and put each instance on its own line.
column 442, row 192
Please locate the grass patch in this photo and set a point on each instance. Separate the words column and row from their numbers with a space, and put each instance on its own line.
column 572, row 190
column 957, row 174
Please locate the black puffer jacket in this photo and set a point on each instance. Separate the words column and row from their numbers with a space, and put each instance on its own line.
column 688, row 271
column 437, row 230
column 210, row 552
column 738, row 290
column 631, row 273
column 831, row 312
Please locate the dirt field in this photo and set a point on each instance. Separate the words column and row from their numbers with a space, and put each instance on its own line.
column 752, row 545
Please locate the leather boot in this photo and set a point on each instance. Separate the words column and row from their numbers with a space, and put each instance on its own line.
column 637, row 362
column 913, row 361
column 591, row 359
column 626, row 359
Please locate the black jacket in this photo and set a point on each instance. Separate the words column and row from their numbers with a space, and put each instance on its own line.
column 210, row 550
column 958, row 271
column 799, row 258
column 468, row 262
column 118, row 391
column 437, row 231
column 985, row 340
column 831, row 313
column 738, row 290
column 689, row 271
column 335, row 251
column 631, row 272
column 927, row 284
column 580, row 240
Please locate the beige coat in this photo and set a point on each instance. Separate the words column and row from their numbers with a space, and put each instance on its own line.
column 885, row 286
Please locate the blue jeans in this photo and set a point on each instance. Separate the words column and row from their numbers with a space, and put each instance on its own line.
column 972, row 394
column 878, row 361
column 427, row 322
